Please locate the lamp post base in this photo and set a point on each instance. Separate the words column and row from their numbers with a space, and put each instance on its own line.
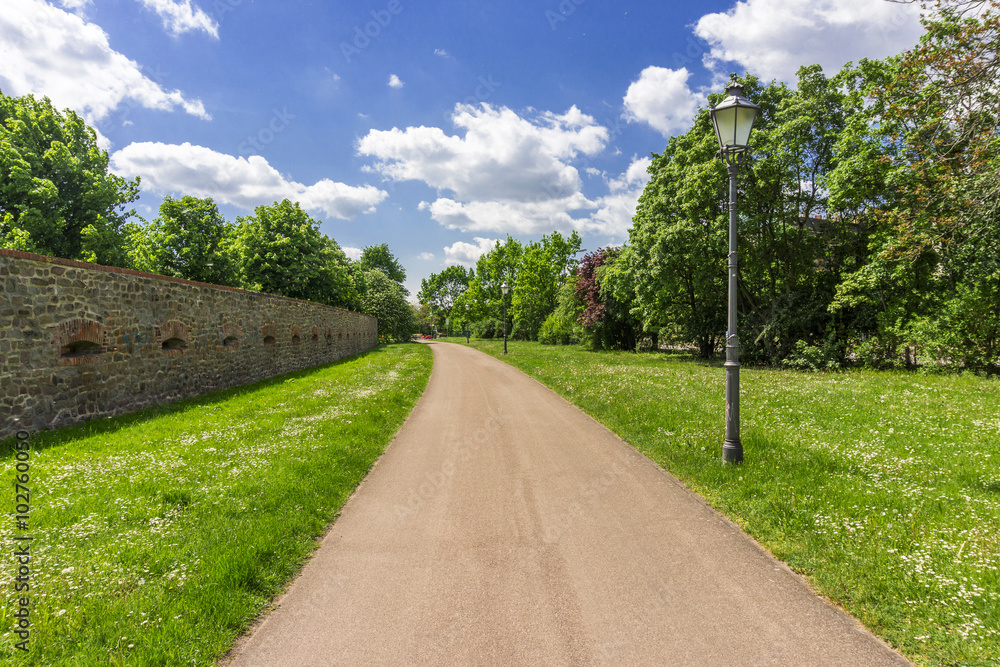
column 732, row 452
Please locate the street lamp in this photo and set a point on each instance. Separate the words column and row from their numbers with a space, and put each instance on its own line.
column 733, row 119
column 504, row 288
column 467, row 323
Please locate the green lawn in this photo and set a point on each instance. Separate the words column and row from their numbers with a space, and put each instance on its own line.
column 159, row 536
column 882, row 488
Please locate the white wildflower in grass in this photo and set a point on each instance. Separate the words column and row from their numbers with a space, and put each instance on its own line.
column 153, row 529
column 879, row 486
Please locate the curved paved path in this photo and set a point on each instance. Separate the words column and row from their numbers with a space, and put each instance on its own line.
column 503, row 526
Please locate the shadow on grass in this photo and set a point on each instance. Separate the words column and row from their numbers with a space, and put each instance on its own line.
column 104, row 425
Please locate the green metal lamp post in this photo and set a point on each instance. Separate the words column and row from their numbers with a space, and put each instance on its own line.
column 733, row 119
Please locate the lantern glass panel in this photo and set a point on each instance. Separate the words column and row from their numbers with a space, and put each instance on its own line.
column 744, row 123
column 725, row 126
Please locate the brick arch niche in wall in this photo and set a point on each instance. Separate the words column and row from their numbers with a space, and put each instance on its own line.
column 296, row 335
column 80, row 341
column 269, row 335
column 315, row 334
column 329, row 336
column 173, row 337
column 230, row 336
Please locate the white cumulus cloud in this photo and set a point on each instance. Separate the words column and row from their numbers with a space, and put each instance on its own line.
column 179, row 17
column 75, row 6
column 395, row 82
column 773, row 38
column 616, row 210
column 353, row 253
column 517, row 218
column 502, row 156
column 47, row 51
column 243, row 182
column 661, row 98
column 507, row 173
column 468, row 254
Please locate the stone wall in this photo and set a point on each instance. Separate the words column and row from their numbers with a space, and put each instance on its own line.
column 79, row 341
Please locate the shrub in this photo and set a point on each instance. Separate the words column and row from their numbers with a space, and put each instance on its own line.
column 488, row 328
column 824, row 357
column 560, row 329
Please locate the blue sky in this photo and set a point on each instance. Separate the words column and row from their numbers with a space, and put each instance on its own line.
column 435, row 127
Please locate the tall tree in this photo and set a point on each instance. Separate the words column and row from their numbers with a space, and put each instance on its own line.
column 790, row 245
column 443, row 290
column 57, row 196
column 283, row 252
column 677, row 243
column 190, row 239
column 500, row 265
column 544, row 267
column 932, row 281
column 381, row 258
column 386, row 300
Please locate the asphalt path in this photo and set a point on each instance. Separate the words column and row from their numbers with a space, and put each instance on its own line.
column 503, row 526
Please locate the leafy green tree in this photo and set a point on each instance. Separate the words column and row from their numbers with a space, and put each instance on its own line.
column 789, row 262
column 677, row 244
column 878, row 293
column 282, row 251
column 929, row 283
column 386, row 300
column 943, row 234
column 534, row 296
column 562, row 326
column 534, row 273
column 793, row 245
column 616, row 286
column 422, row 314
column 444, row 290
column 545, row 266
column 190, row 239
column 381, row 258
column 500, row 265
column 57, row 196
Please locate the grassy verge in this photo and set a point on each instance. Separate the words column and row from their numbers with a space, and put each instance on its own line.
column 882, row 488
column 159, row 536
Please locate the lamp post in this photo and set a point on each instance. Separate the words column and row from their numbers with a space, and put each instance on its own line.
column 733, row 119
column 504, row 288
column 467, row 323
